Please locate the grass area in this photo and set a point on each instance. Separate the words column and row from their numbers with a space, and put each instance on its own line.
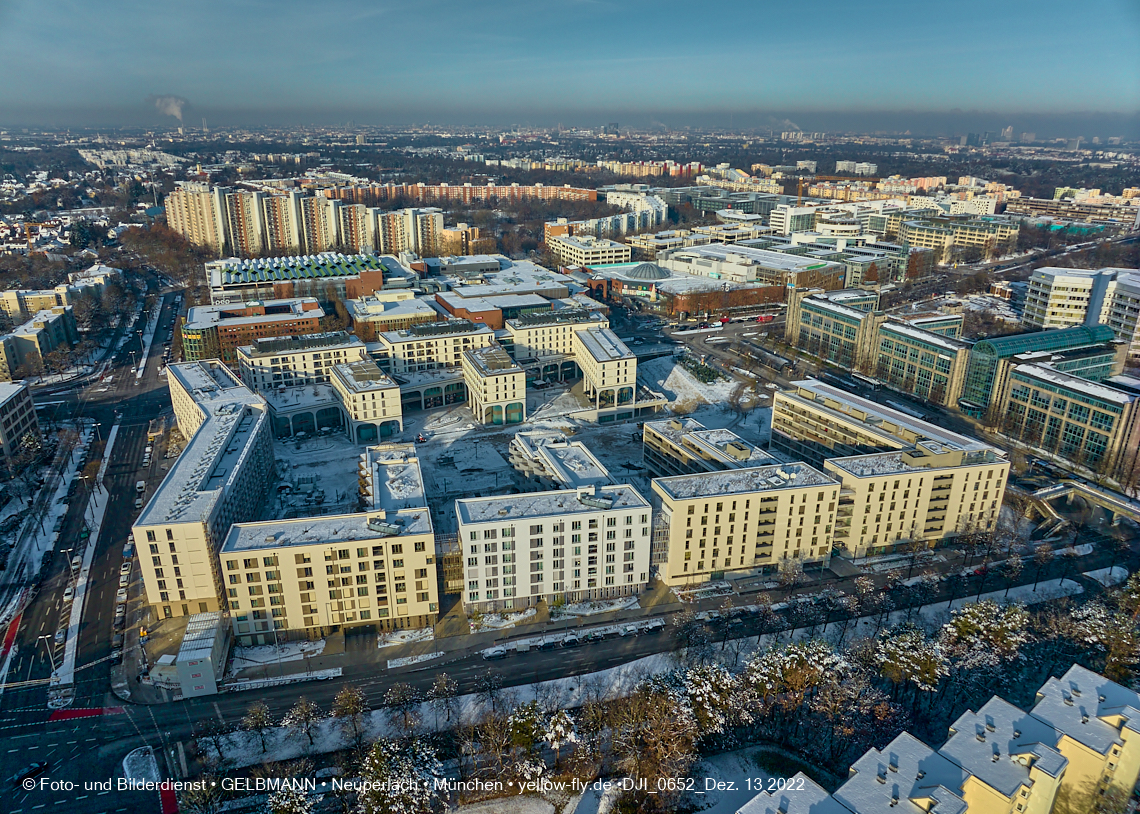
column 702, row 373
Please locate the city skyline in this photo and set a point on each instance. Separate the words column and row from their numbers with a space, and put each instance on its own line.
column 448, row 63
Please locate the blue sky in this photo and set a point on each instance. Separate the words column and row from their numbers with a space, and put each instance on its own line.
column 449, row 61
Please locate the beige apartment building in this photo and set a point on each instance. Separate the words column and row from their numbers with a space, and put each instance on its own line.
column 220, row 478
column 683, row 446
column 609, row 368
column 428, row 347
column 548, row 335
column 765, row 517
column 496, row 386
column 289, row 361
column 18, row 421
column 370, row 400
column 586, row 250
column 573, row 544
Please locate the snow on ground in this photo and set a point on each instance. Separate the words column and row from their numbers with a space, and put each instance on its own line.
column 705, row 590
column 423, row 634
column 668, row 377
column 323, row 474
column 407, row 660
column 732, row 769
column 498, row 621
column 1108, row 576
column 141, row 765
column 593, row 608
column 1082, row 550
column 272, row 654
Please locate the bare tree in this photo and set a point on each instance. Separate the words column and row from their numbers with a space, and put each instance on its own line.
column 257, row 719
column 350, row 709
column 303, row 719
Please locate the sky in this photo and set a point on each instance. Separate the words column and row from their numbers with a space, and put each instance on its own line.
column 740, row 63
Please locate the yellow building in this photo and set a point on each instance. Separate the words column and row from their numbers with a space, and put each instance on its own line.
column 370, row 399
column 764, row 517
column 609, row 368
column 1098, row 722
column 496, row 386
column 586, row 250
column 683, row 446
column 548, row 335
column 433, row 346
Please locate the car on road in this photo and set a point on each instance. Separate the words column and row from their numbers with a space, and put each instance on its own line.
column 495, row 653
column 629, row 630
column 34, row 770
column 124, row 580
column 128, row 550
column 68, row 593
column 125, row 568
column 571, row 641
column 121, row 595
column 75, row 563
column 550, row 644
column 60, row 635
column 138, row 502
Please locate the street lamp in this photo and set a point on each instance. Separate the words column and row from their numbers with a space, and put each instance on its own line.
column 94, row 497
column 51, row 655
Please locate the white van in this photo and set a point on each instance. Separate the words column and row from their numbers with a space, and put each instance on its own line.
column 140, row 487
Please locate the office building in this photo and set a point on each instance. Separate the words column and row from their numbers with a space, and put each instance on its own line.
column 835, row 326
column 746, row 264
column 217, row 331
column 496, row 385
column 990, row 236
column 395, row 310
column 684, row 446
column 921, row 362
column 544, row 340
column 764, row 517
column 19, row 427
column 1063, row 297
column 588, row 250
column 568, row 545
column 430, row 347
column 325, row 277
column 221, row 478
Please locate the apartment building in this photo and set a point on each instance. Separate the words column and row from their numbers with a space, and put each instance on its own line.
column 25, row 350
column 428, row 347
column 684, row 446
column 929, row 492
column 1062, row 298
column 236, row 281
column 906, row 776
column 290, row 361
column 1094, row 425
column 217, row 331
column 220, row 478
column 20, row 305
column 547, row 460
column 572, row 544
column 198, row 213
column 763, row 517
column 19, row 427
column 609, row 368
column 496, row 385
column 307, row 577
column 546, row 339
column 1095, row 719
column 1010, row 759
column 370, row 400
column 944, row 235
column 588, row 250
column 786, row 219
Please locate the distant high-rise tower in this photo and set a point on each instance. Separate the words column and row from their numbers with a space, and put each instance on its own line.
column 205, row 130
column 1007, row 133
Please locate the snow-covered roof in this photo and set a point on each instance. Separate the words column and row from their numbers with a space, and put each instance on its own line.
column 330, row 530
column 392, row 477
column 1084, row 386
column 9, row 390
column 604, row 345
column 905, row 771
column 801, row 795
column 568, row 462
column 947, row 343
column 202, row 630
column 1089, row 708
column 742, row 481
column 363, row 376
column 506, row 508
column 205, row 316
column 1011, row 735
column 232, row 416
column 492, row 360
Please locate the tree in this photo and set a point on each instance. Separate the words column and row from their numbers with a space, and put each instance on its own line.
column 488, row 688
column 212, row 735
column 303, row 719
column 654, row 737
column 350, row 709
column 401, row 699
column 904, row 654
column 442, row 696
column 203, row 797
column 526, row 726
column 1042, row 556
column 1112, row 633
column 986, row 633
column 399, row 778
column 559, row 731
column 290, row 800
column 258, row 719
column 1012, row 569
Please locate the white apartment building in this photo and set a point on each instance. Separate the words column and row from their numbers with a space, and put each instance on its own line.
column 787, row 219
column 431, row 346
column 586, row 250
column 496, row 386
column 765, row 517
column 289, row 361
column 220, row 478
column 573, row 544
column 1064, row 297
column 609, row 368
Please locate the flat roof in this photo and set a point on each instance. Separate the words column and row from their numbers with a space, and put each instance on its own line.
column 569, row 462
column 875, row 418
column 334, row 529
column 947, row 343
column 363, row 376
column 394, row 477
column 198, row 639
column 508, row 508
column 9, row 390
column 204, row 316
column 741, row 481
column 604, row 345
column 276, row 345
column 688, row 432
column 589, row 242
column 207, row 465
column 1044, row 373
column 736, row 253
column 435, row 330
column 367, row 308
column 330, row 265
column 493, row 302
column 572, row 315
column 492, row 360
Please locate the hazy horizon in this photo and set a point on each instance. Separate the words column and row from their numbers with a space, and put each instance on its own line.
column 857, row 67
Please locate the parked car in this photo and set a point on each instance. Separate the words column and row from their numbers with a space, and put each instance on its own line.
column 495, row 653
column 121, row 595
column 125, row 568
column 75, row 563
column 124, row 580
column 68, row 593
column 60, row 635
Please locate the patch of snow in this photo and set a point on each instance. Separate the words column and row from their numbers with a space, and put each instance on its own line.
column 404, row 662
column 593, row 608
column 396, row 637
column 140, row 764
column 272, row 654
column 498, row 621
column 1108, row 576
